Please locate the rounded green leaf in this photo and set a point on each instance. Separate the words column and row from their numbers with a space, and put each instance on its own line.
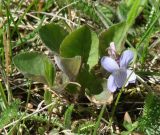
column 123, row 10
column 105, row 97
column 36, row 66
column 70, row 66
column 82, row 42
column 94, row 52
column 73, row 87
column 116, row 34
column 89, row 81
column 47, row 97
column 52, row 35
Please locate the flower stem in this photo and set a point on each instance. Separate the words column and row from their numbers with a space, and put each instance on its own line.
column 115, row 106
column 117, row 100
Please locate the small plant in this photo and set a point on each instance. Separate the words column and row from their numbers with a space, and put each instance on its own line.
column 149, row 122
column 10, row 113
column 93, row 70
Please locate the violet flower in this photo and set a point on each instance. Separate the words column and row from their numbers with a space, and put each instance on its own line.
column 121, row 75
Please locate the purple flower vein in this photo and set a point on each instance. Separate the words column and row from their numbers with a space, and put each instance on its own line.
column 120, row 74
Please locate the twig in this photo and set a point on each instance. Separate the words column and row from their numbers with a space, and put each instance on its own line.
column 28, row 14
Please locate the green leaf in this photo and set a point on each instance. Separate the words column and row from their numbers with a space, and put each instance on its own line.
column 86, row 127
column 105, row 97
column 89, row 81
column 141, row 5
column 125, row 133
column 104, row 13
column 10, row 113
column 67, row 117
column 122, row 10
column 130, row 9
column 36, row 66
column 1, row 38
column 113, row 34
column 127, row 125
column 130, row 127
column 70, row 66
column 41, row 130
column 149, row 122
column 82, row 42
column 47, row 97
column 132, row 14
column 3, row 98
column 72, row 87
column 93, row 53
column 52, row 35
column 118, row 32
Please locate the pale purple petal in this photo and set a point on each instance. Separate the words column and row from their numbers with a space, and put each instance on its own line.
column 120, row 77
column 112, row 50
column 126, row 58
column 131, row 75
column 111, row 84
column 109, row 64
